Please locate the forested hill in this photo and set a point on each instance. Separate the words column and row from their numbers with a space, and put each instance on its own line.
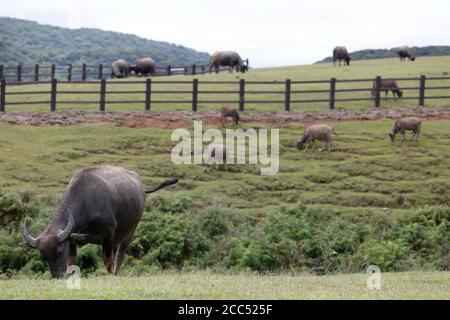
column 391, row 53
column 26, row 42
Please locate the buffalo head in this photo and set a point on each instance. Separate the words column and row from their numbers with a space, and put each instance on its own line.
column 392, row 136
column 347, row 60
column 53, row 247
column 244, row 68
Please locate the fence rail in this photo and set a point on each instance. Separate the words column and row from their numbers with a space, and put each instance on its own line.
column 241, row 96
column 86, row 72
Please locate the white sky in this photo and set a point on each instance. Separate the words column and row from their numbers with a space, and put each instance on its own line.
column 268, row 32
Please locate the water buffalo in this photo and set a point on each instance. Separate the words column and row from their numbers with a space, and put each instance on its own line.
column 227, row 58
column 229, row 112
column 341, row 53
column 388, row 85
column 406, row 52
column 101, row 205
column 120, row 69
column 144, row 67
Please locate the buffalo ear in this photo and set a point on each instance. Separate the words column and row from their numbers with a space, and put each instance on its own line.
column 78, row 238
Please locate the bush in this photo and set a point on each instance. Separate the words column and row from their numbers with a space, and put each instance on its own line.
column 321, row 239
column 168, row 240
column 389, row 255
column 12, row 209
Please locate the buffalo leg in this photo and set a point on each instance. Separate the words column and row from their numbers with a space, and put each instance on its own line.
column 72, row 261
column 108, row 254
column 120, row 255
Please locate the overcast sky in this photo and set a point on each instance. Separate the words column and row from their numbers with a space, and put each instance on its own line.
column 269, row 32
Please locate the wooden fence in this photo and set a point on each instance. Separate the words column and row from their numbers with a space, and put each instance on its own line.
column 85, row 72
column 241, row 95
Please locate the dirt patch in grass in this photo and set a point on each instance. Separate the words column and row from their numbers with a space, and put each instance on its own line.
column 184, row 119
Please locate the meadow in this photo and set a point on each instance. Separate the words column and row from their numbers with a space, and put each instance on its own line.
column 243, row 286
column 323, row 216
column 387, row 68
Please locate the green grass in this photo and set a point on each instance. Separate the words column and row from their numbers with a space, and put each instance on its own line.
column 365, row 175
column 206, row 285
column 365, row 171
column 430, row 66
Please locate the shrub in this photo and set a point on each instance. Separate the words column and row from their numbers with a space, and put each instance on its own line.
column 389, row 255
column 168, row 239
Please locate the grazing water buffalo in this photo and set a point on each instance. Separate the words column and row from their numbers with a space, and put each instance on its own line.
column 321, row 132
column 144, row 67
column 120, row 69
column 388, row 85
column 101, row 205
column 406, row 52
column 229, row 112
column 406, row 124
column 341, row 53
column 227, row 58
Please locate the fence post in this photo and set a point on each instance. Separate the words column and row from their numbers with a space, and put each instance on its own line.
column 287, row 100
column 241, row 94
column 148, row 94
column 194, row 69
column 36, row 72
column 1, row 72
column 69, row 76
column 100, row 71
column 423, row 79
column 2, row 95
column 83, row 72
column 53, row 96
column 377, row 92
column 19, row 73
column 169, row 70
column 332, row 93
column 53, row 71
column 194, row 95
column 102, row 95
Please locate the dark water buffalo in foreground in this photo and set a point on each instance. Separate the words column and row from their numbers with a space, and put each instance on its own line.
column 101, row 205
column 406, row 53
column 227, row 58
column 388, row 85
column 120, row 69
column 144, row 67
column 341, row 53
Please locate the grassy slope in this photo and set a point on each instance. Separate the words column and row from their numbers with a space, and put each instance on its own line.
column 433, row 66
column 365, row 172
column 205, row 285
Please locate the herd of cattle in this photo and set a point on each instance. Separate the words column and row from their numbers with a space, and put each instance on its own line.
column 104, row 204
column 232, row 59
column 341, row 54
column 147, row 66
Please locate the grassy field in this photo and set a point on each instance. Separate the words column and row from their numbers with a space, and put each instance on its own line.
column 365, row 171
column 367, row 184
column 430, row 66
column 206, row 285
